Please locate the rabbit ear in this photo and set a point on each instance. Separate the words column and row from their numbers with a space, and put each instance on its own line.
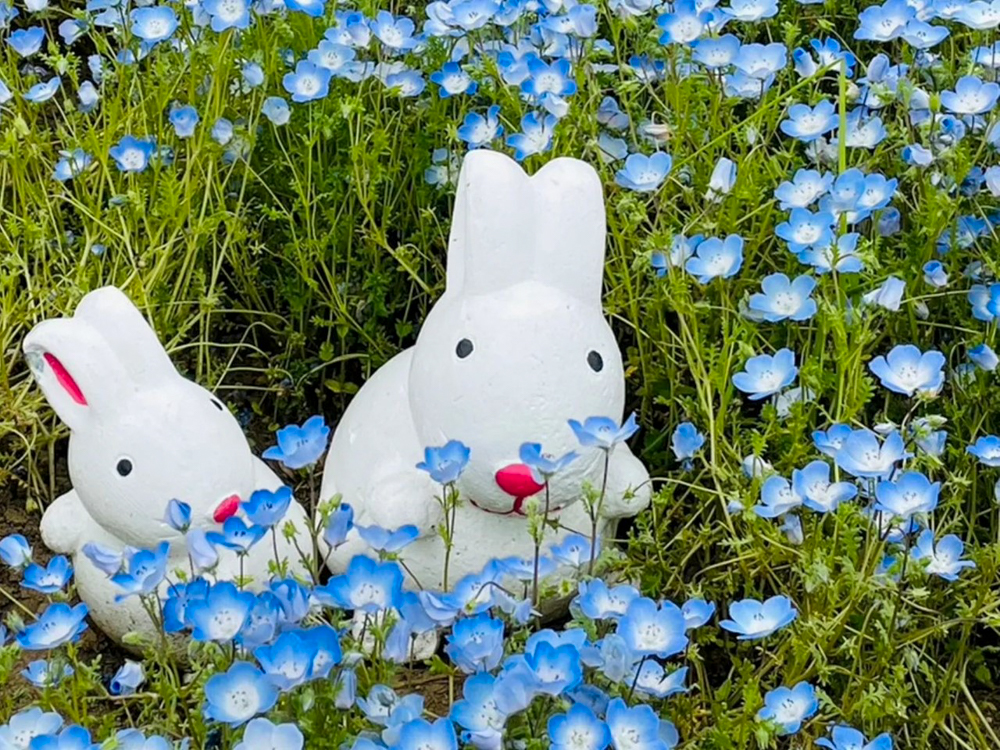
column 78, row 372
column 569, row 228
column 490, row 242
column 111, row 313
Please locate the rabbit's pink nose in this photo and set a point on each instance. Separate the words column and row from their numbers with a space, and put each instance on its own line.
column 227, row 508
column 516, row 480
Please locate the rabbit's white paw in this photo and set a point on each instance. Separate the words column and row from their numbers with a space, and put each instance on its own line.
column 65, row 524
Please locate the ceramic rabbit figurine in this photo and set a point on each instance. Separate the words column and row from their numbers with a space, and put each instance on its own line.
column 141, row 435
column 515, row 347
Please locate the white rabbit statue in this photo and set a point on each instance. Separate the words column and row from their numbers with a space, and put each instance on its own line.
column 141, row 435
column 515, row 347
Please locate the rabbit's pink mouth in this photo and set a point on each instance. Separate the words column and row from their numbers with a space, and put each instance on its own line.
column 227, row 508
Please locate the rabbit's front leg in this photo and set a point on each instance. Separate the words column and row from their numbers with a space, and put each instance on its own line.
column 67, row 526
column 628, row 490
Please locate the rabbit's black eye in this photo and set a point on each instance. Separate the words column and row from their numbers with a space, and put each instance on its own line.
column 464, row 348
column 216, row 404
column 595, row 361
column 124, row 467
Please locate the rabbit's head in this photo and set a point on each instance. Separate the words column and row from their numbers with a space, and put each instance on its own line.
column 141, row 434
column 518, row 344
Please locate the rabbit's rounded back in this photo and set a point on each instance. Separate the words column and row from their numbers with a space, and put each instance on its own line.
column 141, row 434
column 518, row 344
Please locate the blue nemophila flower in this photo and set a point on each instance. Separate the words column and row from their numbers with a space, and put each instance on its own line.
column 635, row 728
column 651, row 630
column 751, row 619
column 984, row 357
column 105, row 559
column 861, row 454
column 406, row 83
column 907, row 370
column 266, row 508
column 829, row 55
column 386, row 540
column 128, row 678
column 883, row 23
column 777, row 497
column 923, row 35
column 847, row 738
column 697, row 612
column 308, row 82
column 276, row 109
column 57, row 625
column 50, row 579
column 578, row 729
column 535, row 136
column 15, row 550
column 830, row 441
column 916, row 155
column 154, row 24
column 312, row 8
column 684, row 24
column 299, row 447
column 478, row 131
column 603, row 432
column 237, row 535
column 184, row 119
column 144, row 571
column 943, row 558
column 761, row 61
column 972, row 96
column 818, row 493
column 26, row 42
column 42, row 92
column 643, row 173
column 133, row 154
column 239, row 694
column 789, row 707
column 26, row 725
column 446, row 463
column 751, row 11
column 338, row 526
column 807, row 123
column 807, row 187
column 201, row 550
column 685, row 442
column 715, row 52
column 220, row 614
column 178, row 516
column 841, row 255
column 909, row 493
column 783, row 299
column 805, row 229
column 721, row 181
column 544, row 466
column 45, row 674
column 650, row 678
column 287, row 661
column 575, row 550
column 396, row 33
column 263, row 734
column 889, row 295
column 554, row 669
column 337, row 58
column 986, row 449
column 222, row 131
column 476, row 643
column 227, row 14
column 548, row 78
column 681, row 248
column 453, row 81
column 716, row 258
column 366, row 585
column 610, row 115
column 73, row 737
column 765, row 375
column 599, row 602
column 420, row 734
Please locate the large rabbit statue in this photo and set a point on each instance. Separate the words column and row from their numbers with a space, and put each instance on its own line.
column 515, row 347
column 141, row 435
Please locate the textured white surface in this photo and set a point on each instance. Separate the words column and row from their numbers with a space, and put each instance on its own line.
column 525, row 269
column 181, row 442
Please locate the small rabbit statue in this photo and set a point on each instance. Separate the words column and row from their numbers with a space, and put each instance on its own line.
column 141, row 435
column 515, row 347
